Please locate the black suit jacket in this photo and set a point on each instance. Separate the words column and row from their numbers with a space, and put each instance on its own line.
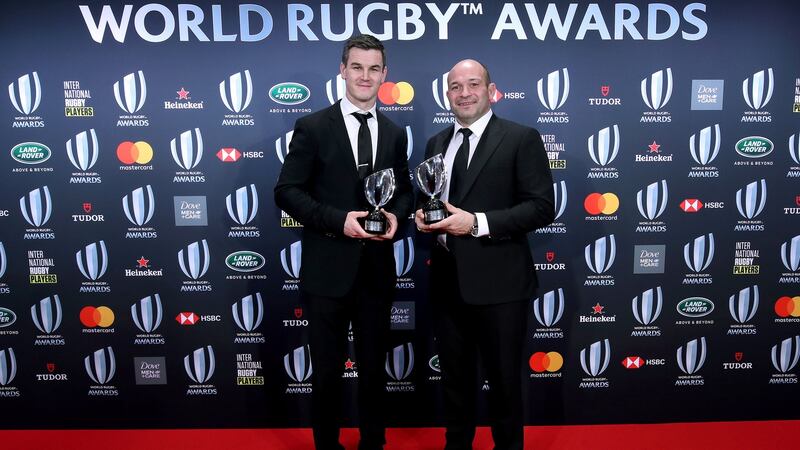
column 319, row 185
column 509, row 180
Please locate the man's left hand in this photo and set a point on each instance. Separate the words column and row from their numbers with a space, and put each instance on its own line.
column 459, row 223
column 391, row 227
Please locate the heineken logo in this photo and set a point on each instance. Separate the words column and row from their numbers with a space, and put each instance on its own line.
column 289, row 93
column 245, row 261
column 695, row 307
column 754, row 147
column 30, row 153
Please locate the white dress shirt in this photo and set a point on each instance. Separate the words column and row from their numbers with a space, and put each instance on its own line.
column 352, row 124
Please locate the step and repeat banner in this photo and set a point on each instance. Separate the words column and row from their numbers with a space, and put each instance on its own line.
column 147, row 278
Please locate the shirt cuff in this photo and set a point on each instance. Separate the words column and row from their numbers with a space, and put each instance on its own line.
column 483, row 224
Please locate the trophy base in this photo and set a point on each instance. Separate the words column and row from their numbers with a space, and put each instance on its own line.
column 375, row 226
column 433, row 216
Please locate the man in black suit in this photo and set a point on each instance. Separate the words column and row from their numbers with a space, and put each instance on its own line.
column 482, row 273
column 347, row 274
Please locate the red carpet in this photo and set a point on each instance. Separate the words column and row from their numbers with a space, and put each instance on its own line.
column 684, row 436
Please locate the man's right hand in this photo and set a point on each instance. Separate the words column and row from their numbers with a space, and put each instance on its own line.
column 419, row 219
column 352, row 228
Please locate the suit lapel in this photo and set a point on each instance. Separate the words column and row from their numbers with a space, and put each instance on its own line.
column 487, row 145
column 442, row 141
column 339, row 132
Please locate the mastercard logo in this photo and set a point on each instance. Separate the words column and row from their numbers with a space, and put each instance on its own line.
column 788, row 306
column 550, row 361
column 400, row 93
column 101, row 316
column 134, row 152
column 607, row 203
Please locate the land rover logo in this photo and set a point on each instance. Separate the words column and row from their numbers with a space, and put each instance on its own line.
column 30, row 153
column 289, row 93
column 244, row 261
column 695, row 307
column 7, row 317
column 754, row 147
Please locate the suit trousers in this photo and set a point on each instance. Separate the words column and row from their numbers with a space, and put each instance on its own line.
column 367, row 306
column 495, row 332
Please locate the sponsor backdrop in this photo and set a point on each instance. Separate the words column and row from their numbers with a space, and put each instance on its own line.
column 148, row 280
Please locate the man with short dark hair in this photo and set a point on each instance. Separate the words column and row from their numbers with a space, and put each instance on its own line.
column 482, row 273
column 347, row 274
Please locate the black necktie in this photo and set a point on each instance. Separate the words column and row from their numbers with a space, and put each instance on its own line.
column 364, row 145
column 460, row 167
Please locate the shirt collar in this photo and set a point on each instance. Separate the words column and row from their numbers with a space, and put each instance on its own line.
column 349, row 108
column 477, row 127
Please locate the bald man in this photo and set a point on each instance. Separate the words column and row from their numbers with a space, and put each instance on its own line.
column 482, row 274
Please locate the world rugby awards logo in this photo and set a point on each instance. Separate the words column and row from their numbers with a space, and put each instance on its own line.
column 553, row 92
column 560, row 203
column 784, row 359
column 439, row 90
column 132, row 95
column 757, row 92
column 139, row 205
column 603, row 148
column 698, row 254
column 199, row 366
column 403, row 256
column 82, row 150
column 101, row 367
column 335, row 89
column 8, row 370
column 291, row 259
column 594, row 361
column 247, row 314
column 548, row 310
column 652, row 202
column 790, row 257
column 3, row 260
column 194, row 259
column 691, row 357
column 47, row 315
column 656, row 92
column 282, row 145
column 297, row 364
column 743, row 307
column 646, row 309
column 36, row 208
column 147, row 314
column 26, row 96
column 704, row 147
column 599, row 257
column 236, row 93
column 243, row 204
column 399, row 365
column 187, row 151
column 92, row 260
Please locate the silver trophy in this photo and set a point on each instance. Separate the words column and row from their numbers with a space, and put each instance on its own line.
column 431, row 178
column 379, row 188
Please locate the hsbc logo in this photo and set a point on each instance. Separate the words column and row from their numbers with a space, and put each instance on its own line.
column 26, row 93
column 633, row 362
column 132, row 93
column 282, row 145
column 190, row 318
column 236, row 93
column 691, row 205
column 229, row 154
column 554, row 89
